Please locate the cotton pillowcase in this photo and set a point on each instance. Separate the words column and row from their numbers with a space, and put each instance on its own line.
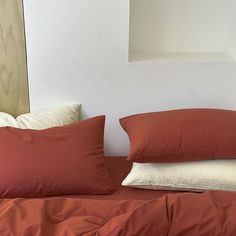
column 50, row 118
column 59, row 116
column 181, row 135
column 57, row 161
column 186, row 176
column 7, row 120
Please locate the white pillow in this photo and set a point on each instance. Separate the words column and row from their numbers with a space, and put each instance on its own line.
column 188, row 176
column 7, row 120
column 42, row 120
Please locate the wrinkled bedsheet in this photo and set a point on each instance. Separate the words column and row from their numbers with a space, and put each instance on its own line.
column 184, row 214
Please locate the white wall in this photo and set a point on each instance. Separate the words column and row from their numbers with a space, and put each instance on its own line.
column 231, row 29
column 78, row 52
column 177, row 26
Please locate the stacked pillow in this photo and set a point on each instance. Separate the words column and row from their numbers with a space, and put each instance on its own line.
column 55, row 154
column 59, row 116
column 189, row 149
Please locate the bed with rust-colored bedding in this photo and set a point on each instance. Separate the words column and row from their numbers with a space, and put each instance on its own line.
column 126, row 212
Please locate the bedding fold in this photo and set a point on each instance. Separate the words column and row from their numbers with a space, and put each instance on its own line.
column 206, row 214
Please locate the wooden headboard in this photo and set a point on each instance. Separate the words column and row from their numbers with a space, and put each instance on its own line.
column 14, row 96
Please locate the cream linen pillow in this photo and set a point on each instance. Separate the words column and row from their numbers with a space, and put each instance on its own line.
column 42, row 120
column 188, row 176
column 7, row 120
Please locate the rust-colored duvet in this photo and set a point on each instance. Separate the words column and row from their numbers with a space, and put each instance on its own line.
column 184, row 214
column 128, row 212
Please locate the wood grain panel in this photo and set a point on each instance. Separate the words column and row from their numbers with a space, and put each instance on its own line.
column 14, row 97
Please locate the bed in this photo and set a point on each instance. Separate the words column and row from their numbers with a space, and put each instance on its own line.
column 126, row 212
column 55, row 181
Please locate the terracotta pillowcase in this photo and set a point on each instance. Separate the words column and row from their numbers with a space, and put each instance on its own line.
column 57, row 161
column 181, row 135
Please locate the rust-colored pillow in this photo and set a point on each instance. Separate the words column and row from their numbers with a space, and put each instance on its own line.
column 181, row 135
column 57, row 161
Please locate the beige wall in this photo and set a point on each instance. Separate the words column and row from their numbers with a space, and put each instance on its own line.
column 14, row 97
